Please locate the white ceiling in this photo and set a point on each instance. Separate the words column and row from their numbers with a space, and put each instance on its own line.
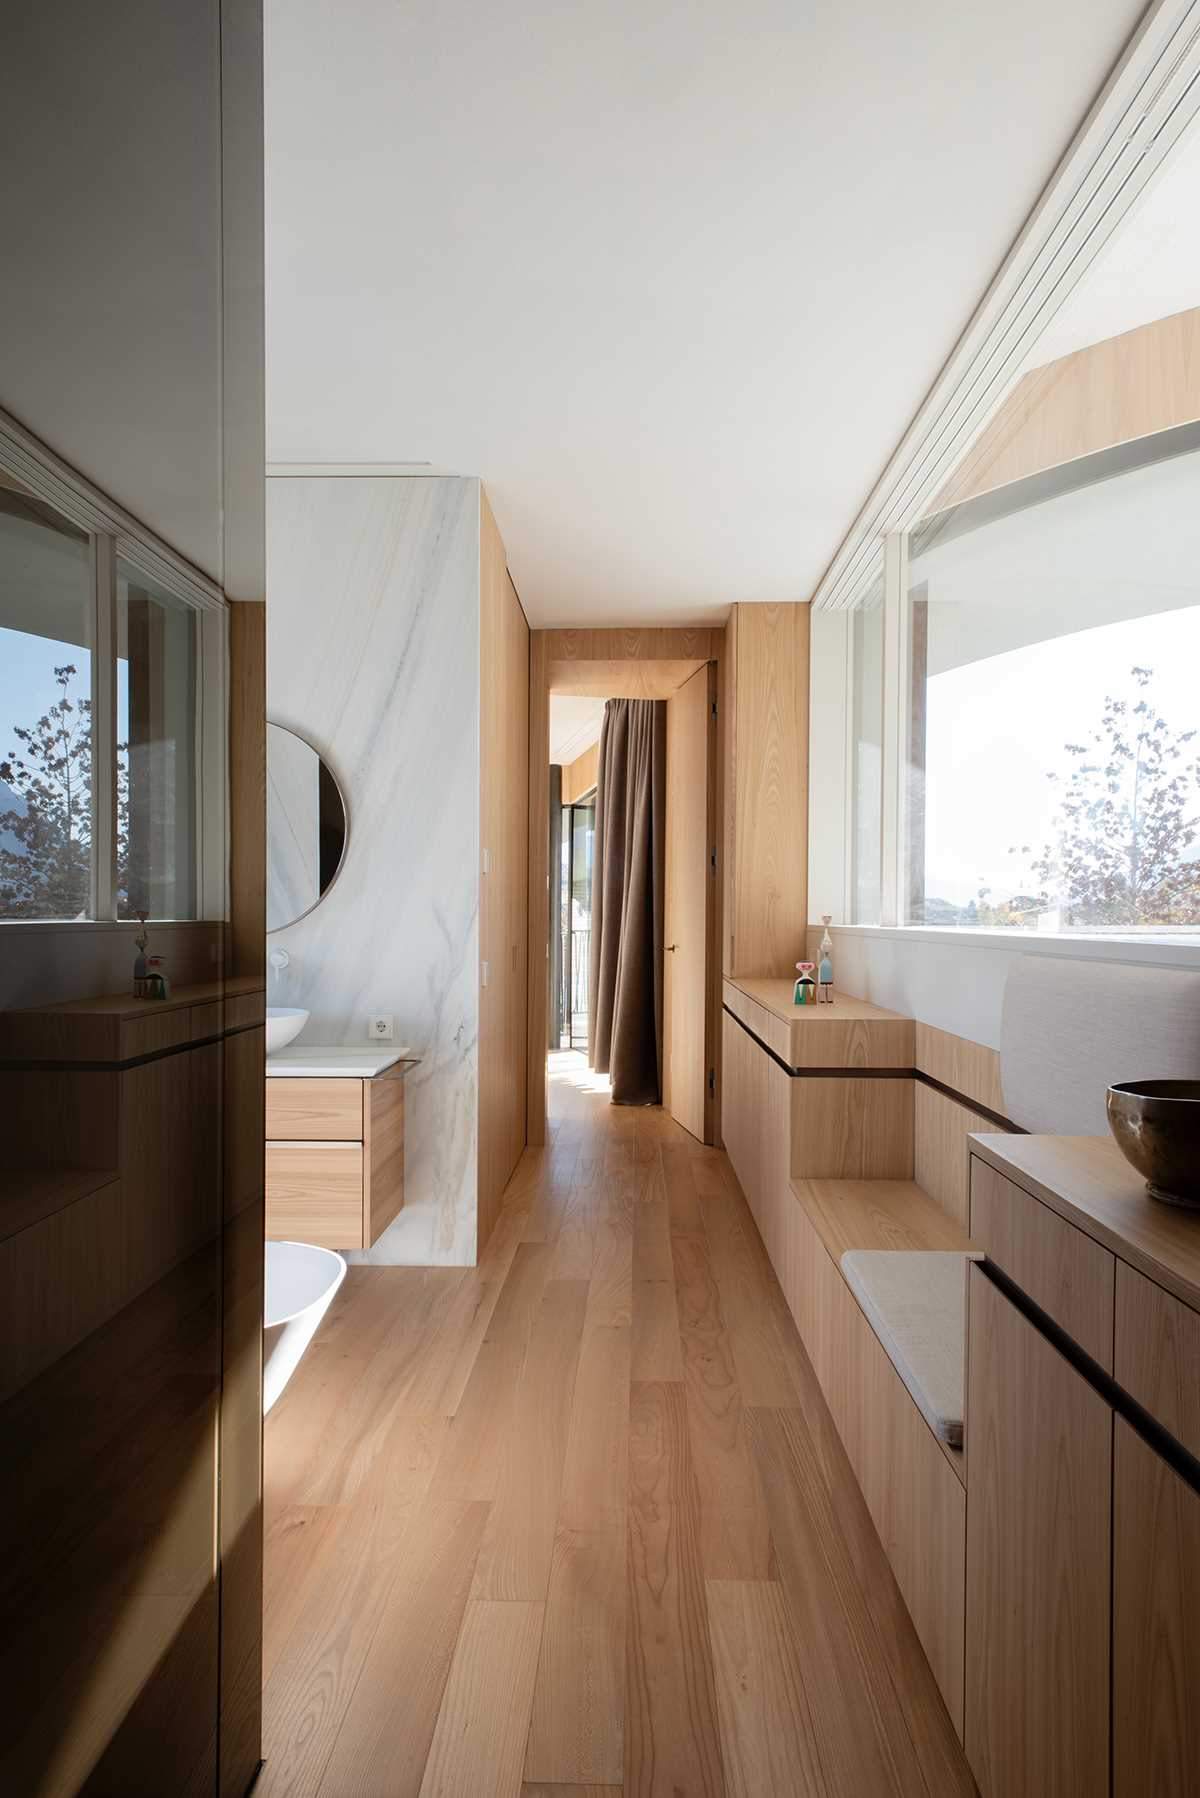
column 574, row 725
column 672, row 279
column 1148, row 269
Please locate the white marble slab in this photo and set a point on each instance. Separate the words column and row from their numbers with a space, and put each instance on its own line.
column 333, row 1064
column 373, row 656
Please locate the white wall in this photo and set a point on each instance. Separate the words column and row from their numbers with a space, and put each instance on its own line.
column 373, row 655
column 955, row 979
column 129, row 292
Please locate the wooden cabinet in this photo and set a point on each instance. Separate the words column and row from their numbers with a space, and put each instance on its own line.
column 335, row 1158
column 1156, row 1624
column 1039, row 1516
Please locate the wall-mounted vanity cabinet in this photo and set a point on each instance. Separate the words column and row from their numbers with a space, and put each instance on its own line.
column 335, row 1145
column 1083, row 1483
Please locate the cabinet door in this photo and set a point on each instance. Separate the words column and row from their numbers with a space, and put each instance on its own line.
column 1039, row 1498
column 1156, row 1625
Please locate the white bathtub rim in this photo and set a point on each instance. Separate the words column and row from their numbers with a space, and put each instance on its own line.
column 313, row 1248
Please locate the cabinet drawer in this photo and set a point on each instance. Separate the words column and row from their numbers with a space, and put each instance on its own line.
column 315, row 1193
column 314, row 1110
column 1063, row 1271
column 1157, row 1355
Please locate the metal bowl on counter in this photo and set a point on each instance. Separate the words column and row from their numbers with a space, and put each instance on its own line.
column 1156, row 1124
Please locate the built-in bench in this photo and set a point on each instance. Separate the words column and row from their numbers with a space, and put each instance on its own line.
column 818, row 1122
column 911, row 1475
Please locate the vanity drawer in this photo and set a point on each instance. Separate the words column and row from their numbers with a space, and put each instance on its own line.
column 1157, row 1354
column 1063, row 1271
column 315, row 1192
column 314, row 1110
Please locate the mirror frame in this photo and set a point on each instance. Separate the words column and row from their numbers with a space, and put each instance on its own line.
column 274, row 724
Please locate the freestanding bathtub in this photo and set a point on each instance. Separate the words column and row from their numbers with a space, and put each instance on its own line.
column 301, row 1280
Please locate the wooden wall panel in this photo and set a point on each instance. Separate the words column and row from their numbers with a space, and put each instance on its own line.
column 579, row 776
column 1129, row 386
column 767, row 774
column 852, row 1129
column 970, row 1068
column 504, row 816
column 941, row 1153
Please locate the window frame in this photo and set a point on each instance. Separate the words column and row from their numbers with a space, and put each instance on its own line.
column 115, row 535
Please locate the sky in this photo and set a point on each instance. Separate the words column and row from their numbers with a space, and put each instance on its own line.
column 997, row 727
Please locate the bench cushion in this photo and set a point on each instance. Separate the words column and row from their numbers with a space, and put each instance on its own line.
column 915, row 1301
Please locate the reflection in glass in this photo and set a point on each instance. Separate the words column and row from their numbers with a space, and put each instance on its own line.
column 156, row 750
column 46, row 635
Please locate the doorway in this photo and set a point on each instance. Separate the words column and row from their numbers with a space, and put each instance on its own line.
column 683, row 669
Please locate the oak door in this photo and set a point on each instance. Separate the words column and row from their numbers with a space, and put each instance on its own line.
column 689, row 899
column 1156, row 1625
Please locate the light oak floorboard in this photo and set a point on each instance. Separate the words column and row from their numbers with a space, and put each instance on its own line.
column 767, row 1730
column 514, row 1562
column 672, row 1741
column 385, row 1737
column 479, row 1743
column 735, row 1531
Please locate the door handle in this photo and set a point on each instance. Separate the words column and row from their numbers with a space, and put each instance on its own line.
column 671, row 948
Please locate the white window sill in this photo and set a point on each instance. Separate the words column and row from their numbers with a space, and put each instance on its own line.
column 1166, row 950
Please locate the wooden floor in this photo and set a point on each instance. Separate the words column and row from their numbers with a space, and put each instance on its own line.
column 576, row 1521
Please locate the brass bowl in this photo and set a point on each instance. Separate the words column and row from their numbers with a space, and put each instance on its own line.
column 1157, row 1127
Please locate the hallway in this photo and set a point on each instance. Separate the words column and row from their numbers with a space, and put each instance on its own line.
column 577, row 1520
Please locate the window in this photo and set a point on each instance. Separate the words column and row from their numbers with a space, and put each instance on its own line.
column 46, row 669
column 1054, row 632
column 112, row 725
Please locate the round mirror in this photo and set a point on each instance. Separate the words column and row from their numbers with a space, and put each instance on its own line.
column 307, row 828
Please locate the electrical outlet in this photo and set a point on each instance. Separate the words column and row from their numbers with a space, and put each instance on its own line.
column 381, row 1027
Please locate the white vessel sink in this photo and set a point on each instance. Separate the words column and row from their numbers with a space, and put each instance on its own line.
column 284, row 1024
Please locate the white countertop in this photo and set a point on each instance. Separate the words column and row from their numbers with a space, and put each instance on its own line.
column 299, row 1060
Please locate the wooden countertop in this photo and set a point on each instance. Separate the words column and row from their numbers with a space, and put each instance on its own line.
column 116, row 1027
column 775, row 996
column 125, row 1005
column 851, row 1033
column 1088, row 1181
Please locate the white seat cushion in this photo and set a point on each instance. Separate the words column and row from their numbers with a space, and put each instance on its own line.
column 915, row 1301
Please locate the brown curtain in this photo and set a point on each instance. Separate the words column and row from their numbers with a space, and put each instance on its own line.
column 625, row 987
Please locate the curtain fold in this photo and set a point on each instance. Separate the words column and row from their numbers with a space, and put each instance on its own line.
column 625, row 987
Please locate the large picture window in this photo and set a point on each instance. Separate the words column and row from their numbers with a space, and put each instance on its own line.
column 1054, row 635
